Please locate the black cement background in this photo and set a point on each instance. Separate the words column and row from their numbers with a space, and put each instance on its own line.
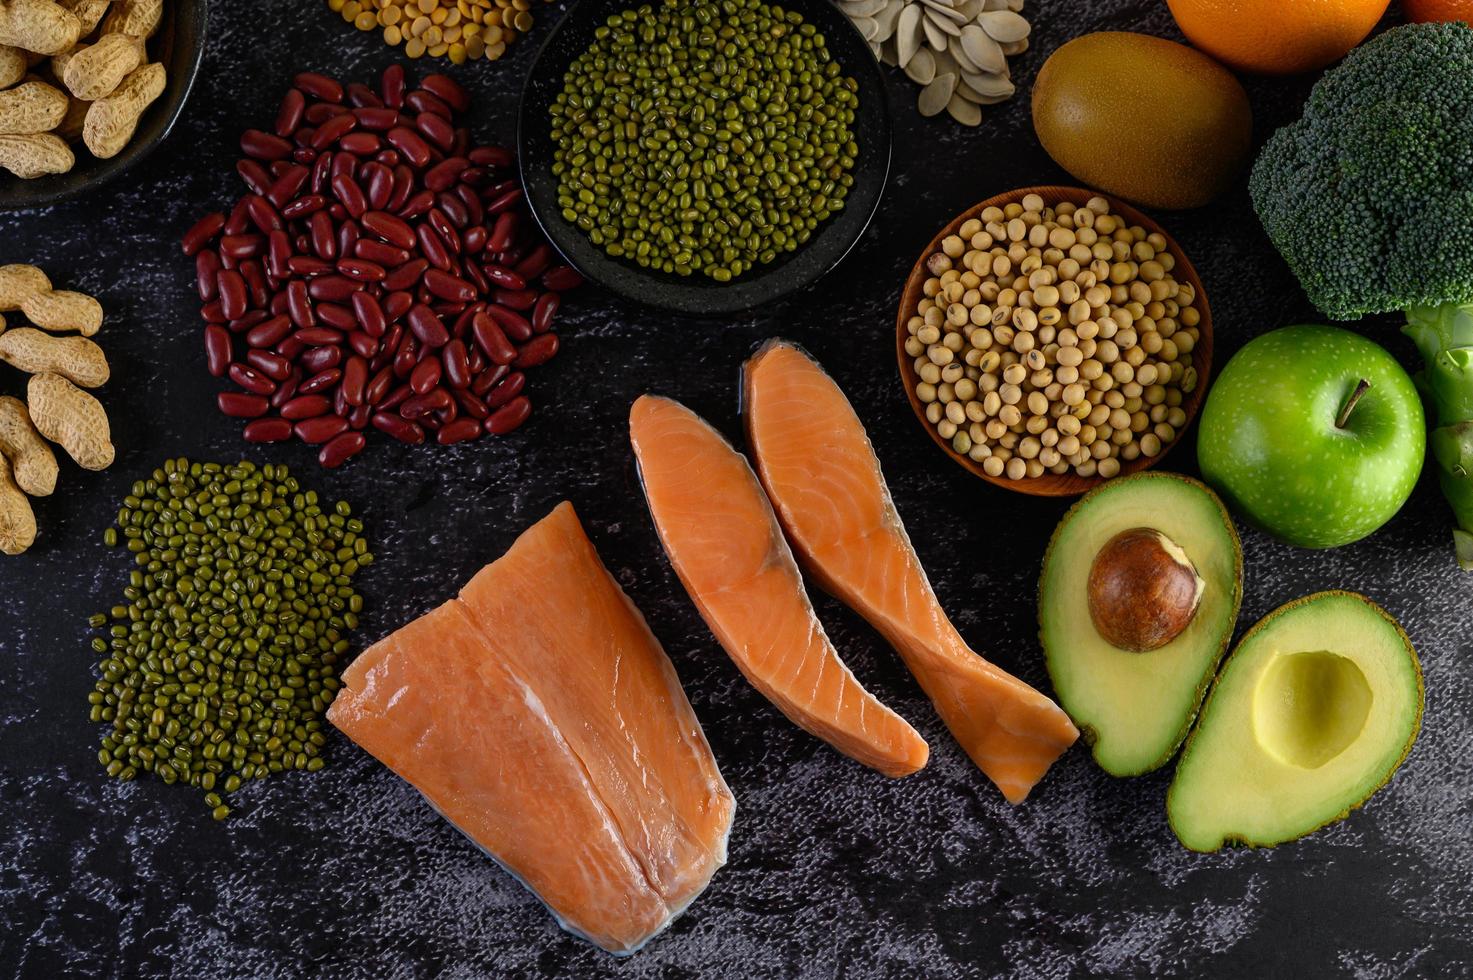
column 834, row 871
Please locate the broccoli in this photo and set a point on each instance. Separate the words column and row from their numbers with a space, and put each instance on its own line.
column 1369, row 197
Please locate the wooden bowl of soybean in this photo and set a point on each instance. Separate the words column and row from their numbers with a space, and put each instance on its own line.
column 1068, row 483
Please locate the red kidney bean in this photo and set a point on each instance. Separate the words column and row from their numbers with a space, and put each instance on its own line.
column 242, row 405
column 361, row 269
column 513, row 385
column 320, row 359
column 273, row 366
column 385, row 255
column 213, row 312
column 290, row 348
column 505, row 278
column 498, row 157
column 378, row 386
column 433, row 247
column 468, row 199
column 350, row 194
column 207, row 274
column 287, row 390
column 336, row 316
column 378, row 184
column 406, row 276
column 305, row 407
column 543, row 312
column 426, row 376
column 355, row 377
column 390, row 228
column 515, row 326
column 448, row 287
column 335, row 129
column 422, row 100
column 502, row 232
column 360, row 95
column 262, row 214
column 376, row 118
column 470, row 404
column 447, row 89
column 398, row 427
column 254, row 274
column 457, row 214
column 202, row 232
column 499, row 204
column 427, row 327
column 461, row 430
column 406, row 356
column 289, row 116
column 319, row 336
column 243, row 324
column 396, row 397
column 320, row 428
column 250, row 379
column 436, row 129
column 334, row 289
column 410, row 144
column 264, row 146
column 286, row 187
column 536, row 262
column 303, row 136
column 509, row 416
column 299, row 306
column 473, row 240
column 278, row 254
column 516, row 299
column 562, row 278
column 403, row 187
column 217, row 349
column 268, row 430
column 537, row 351
column 489, row 378
column 238, row 221
column 233, row 294
column 445, row 174
column 474, row 273
column 391, row 85
column 416, row 205
column 396, row 304
column 308, row 266
column 268, row 332
column 241, row 246
column 457, row 364
column 492, row 339
column 369, row 314
column 347, row 238
column 435, row 400
column 320, row 381
column 303, row 206
column 319, row 87
column 324, row 237
column 445, row 228
column 362, row 344
column 304, row 155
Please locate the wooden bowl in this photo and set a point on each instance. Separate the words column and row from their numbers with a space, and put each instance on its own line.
column 1050, row 484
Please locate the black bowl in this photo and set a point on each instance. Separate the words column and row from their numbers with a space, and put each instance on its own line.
column 178, row 45
column 698, row 294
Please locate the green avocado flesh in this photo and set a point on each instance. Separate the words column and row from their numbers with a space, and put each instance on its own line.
column 1135, row 708
column 1312, row 713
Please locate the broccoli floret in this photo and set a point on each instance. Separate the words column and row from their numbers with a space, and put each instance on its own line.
column 1369, row 196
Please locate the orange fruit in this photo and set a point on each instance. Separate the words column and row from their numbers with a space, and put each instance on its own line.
column 1277, row 37
column 1422, row 11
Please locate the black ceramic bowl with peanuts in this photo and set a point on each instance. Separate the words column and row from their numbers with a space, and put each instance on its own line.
column 178, row 44
column 696, row 294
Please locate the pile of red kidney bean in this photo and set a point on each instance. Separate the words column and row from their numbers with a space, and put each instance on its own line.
column 380, row 272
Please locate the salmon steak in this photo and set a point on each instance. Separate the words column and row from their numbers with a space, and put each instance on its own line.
column 540, row 716
column 727, row 549
column 821, row 474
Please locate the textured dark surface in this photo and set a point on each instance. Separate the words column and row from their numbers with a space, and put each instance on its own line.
column 834, row 871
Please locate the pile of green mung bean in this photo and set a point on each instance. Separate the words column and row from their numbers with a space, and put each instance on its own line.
column 219, row 666
column 704, row 136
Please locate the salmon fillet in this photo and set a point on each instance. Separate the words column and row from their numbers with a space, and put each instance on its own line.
column 540, row 716
column 728, row 551
column 821, row 474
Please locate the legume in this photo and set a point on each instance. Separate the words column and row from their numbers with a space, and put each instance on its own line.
column 373, row 241
column 461, row 30
column 1054, row 339
column 704, row 136
column 221, row 661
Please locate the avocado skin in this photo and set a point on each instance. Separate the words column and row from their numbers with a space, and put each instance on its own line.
column 1267, row 622
column 1086, row 732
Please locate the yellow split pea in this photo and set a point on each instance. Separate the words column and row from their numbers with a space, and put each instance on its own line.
column 1054, row 339
column 461, row 30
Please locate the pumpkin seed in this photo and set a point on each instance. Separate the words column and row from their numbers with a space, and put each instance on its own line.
column 936, row 95
column 908, row 33
column 981, row 50
column 963, row 111
column 1003, row 25
column 922, row 67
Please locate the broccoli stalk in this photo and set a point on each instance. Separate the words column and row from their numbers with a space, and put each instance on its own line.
column 1369, row 197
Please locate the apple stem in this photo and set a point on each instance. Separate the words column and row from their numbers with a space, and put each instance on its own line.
column 1361, row 388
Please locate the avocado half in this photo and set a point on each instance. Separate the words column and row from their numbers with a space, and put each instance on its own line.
column 1135, row 708
column 1316, row 708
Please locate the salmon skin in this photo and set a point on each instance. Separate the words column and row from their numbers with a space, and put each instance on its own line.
column 821, row 474
column 728, row 551
column 540, row 716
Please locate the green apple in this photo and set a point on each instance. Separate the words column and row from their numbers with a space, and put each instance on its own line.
column 1313, row 433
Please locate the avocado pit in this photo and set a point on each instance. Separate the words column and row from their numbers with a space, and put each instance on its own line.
column 1143, row 590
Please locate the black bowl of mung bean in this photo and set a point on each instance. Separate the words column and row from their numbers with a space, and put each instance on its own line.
column 704, row 156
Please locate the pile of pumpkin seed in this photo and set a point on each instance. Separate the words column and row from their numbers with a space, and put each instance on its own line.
column 220, row 663
column 957, row 50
